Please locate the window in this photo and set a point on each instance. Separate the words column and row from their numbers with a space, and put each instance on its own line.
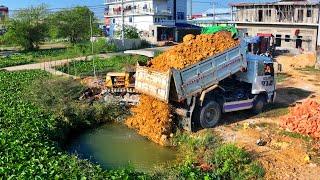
column 152, row 32
column 278, row 40
column 180, row 15
column 113, row 21
column 268, row 13
column 299, row 42
column 309, row 13
column 260, row 15
column 130, row 19
column 300, row 15
column 287, row 38
column 260, row 68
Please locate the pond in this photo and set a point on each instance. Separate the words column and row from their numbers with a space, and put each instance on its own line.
column 115, row 146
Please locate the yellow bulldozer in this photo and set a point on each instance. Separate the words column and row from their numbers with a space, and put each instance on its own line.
column 120, row 82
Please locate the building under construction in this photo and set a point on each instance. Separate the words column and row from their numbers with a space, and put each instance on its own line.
column 294, row 24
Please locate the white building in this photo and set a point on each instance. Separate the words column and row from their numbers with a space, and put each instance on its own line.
column 156, row 20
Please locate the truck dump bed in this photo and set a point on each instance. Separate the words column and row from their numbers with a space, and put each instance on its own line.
column 177, row 85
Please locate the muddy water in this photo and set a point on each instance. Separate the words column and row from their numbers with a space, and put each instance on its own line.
column 115, row 146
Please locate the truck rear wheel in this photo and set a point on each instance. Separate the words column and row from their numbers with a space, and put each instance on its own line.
column 210, row 114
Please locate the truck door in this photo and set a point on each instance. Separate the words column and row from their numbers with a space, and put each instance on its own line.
column 264, row 80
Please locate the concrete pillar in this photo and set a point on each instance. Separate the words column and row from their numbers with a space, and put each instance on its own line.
column 273, row 14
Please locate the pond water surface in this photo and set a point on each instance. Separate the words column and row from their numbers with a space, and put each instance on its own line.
column 115, row 146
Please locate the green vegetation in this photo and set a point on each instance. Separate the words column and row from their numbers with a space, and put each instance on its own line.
column 204, row 157
column 281, row 77
column 310, row 69
column 45, row 55
column 73, row 24
column 27, row 146
column 27, row 28
column 102, row 66
column 32, row 26
column 274, row 110
column 15, row 60
column 295, row 135
column 130, row 32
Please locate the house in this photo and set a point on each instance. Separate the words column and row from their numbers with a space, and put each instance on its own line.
column 294, row 24
column 156, row 20
column 4, row 13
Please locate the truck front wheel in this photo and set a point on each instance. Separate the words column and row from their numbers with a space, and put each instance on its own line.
column 210, row 114
column 259, row 104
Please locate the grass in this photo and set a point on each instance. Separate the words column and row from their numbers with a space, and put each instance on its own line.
column 310, row 69
column 274, row 110
column 102, row 66
column 296, row 135
column 224, row 161
column 281, row 77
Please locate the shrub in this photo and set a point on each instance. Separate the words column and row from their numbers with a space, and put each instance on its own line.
column 232, row 162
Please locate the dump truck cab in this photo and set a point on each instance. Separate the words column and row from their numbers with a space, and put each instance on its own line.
column 260, row 73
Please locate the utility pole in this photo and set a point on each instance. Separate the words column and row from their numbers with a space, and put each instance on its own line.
column 91, row 39
column 213, row 11
column 122, row 28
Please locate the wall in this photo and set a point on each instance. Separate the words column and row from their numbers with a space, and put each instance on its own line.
column 181, row 7
column 307, row 32
column 128, row 44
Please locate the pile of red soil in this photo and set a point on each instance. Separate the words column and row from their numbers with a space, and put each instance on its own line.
column 152, row 119
column 193, row 49
column 304, row 119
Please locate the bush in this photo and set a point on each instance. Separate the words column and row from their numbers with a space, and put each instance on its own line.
column 102, row 46
column 232, row 162
column 130, row 32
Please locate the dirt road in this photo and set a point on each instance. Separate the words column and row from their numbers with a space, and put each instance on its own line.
column 285, row 155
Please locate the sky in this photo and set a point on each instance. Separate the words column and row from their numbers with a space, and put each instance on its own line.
column 198, row 5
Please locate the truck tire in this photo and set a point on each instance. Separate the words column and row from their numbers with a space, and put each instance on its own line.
column 259, row 104
column 210, row 114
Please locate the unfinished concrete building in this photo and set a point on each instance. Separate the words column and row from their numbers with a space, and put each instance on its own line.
column 294, row 24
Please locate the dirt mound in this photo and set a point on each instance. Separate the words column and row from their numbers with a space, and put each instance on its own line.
column 152, row 119
column 290, row 63
column 193, row 50
column 304, row 119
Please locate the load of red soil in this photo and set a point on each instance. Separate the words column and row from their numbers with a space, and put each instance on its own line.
column 304, row 119
column 193, row 50
column 152, row 119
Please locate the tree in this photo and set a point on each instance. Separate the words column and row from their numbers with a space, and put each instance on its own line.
column 130, row 32
column 73, row 24
column 27, row 28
